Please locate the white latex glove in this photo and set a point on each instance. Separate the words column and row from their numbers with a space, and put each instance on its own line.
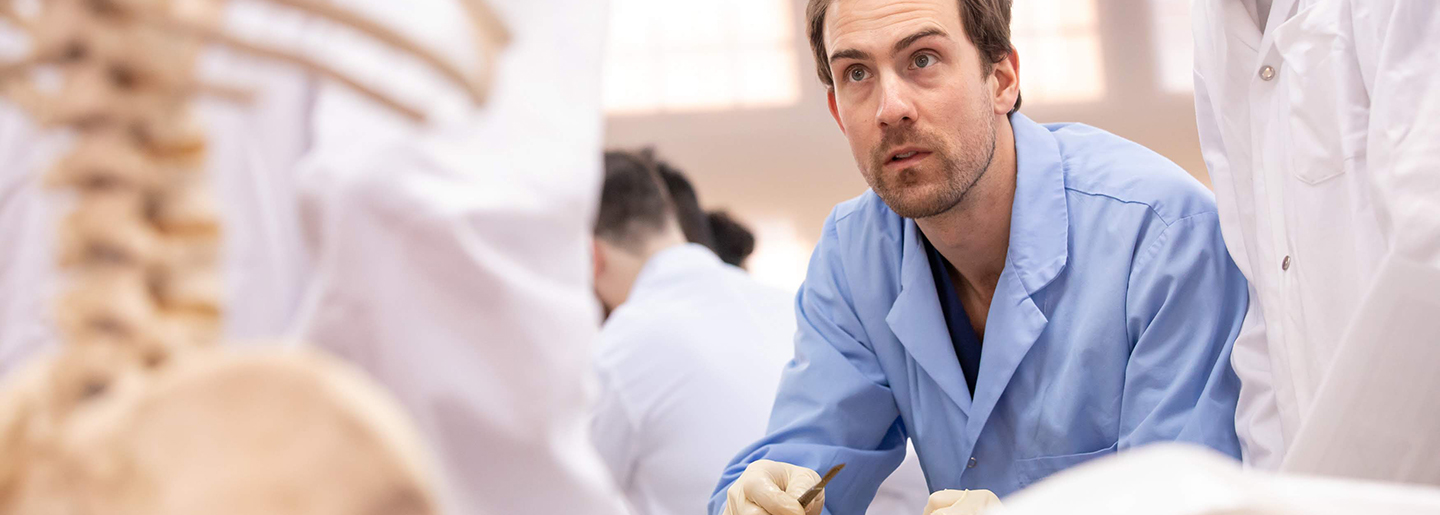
column 771, row 487
column 961, row 502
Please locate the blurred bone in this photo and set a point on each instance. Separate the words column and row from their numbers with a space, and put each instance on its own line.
column 105, row 161
column 217, row 436
column 475, row 89
column 108, row 229
column 212, row 34
column 141, row 413
column 103, row 303
column 182, row 208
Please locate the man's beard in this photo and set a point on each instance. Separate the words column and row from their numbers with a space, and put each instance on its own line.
column 960, row 169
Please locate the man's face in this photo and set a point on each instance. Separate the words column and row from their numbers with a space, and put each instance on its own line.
column 913, row 99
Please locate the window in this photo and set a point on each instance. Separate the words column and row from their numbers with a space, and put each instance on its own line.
column 668, row 55
column 781, row 256
column 1059, row 46
column 1174, row 45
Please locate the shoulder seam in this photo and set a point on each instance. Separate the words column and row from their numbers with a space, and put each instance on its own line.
column 1163, row 219
column 1164, row 236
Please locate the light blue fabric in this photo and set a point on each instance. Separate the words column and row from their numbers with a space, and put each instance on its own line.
column 1111, row 328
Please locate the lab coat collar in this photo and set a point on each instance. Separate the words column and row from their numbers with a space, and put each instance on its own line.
column 1231, row 22
column 916, row 320
column 1281, row 12
column 1040, row 218
column 1039, row 246
column 1039, row 231
column 666, row 264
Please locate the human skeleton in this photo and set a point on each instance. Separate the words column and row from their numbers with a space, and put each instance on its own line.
column 141, row 412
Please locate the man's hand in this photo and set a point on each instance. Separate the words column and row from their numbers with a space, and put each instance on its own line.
column 961, row 502
column 771, row 487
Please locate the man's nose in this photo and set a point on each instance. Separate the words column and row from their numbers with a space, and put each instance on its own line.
column 896, row 106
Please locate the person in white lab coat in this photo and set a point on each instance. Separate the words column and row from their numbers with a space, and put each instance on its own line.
column 448, row 261
column 1320, row 123
column 691, row 354
column 1174, row 479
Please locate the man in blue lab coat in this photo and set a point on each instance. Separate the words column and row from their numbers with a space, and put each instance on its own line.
column 1014, row 298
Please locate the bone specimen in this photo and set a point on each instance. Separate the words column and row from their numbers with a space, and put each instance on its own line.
column 140, row 412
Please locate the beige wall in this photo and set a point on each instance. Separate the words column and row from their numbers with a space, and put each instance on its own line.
column 793, row 164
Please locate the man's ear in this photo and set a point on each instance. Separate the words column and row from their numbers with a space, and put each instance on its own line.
column 834, row 108
column 1006, row 75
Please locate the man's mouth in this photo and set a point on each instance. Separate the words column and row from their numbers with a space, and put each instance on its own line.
column 905, row 157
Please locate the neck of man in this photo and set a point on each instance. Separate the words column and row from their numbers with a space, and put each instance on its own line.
column 662, row 242
column 631, row 261
column 974, row 236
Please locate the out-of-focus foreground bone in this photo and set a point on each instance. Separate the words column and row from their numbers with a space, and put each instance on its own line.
column 140, row 412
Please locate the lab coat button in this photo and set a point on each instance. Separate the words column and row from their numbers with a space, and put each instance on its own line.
column 1285, row 264
column 1267, row 73
column 972, row 463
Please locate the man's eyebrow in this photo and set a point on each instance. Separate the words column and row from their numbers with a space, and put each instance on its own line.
column 911, row 39
column 849, row 53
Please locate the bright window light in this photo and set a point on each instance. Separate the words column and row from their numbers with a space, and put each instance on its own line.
column 781, row 256
column 1174, row 45
column 1059, row 46
column 668, row 55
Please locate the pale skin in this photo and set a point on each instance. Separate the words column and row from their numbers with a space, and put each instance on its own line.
column 926, row 117
column 617, row 265
column 865, row 38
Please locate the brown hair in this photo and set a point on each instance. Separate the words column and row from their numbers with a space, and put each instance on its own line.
column 634, row 203
column 986, row 22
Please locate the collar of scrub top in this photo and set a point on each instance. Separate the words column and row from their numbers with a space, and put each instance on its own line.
column 1039, row 231
column 962, row 332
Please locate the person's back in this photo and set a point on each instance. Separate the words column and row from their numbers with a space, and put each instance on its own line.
column 687, row 337
column 692, row 351
column 698, row 338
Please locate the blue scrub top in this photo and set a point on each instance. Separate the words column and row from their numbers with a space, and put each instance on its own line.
column 1111, row 327
column 962, row 332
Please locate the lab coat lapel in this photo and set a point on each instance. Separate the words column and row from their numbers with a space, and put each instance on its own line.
column 917, row 322
column 1039, row 246
column 1006, row 345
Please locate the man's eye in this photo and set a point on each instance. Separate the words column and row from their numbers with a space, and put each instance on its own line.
column 857, row 74
column 924, row 60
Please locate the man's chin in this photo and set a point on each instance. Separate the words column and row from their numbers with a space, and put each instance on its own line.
column 916, row 207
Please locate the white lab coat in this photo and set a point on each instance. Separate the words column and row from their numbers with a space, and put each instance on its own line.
column 689, row 367
column 1322, row 136
column 448, row 261
column 1174, row 479
column 452, row 261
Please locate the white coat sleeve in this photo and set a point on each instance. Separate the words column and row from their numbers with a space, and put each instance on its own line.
column 1375, row 415
column 1257, row 416
column 614, row 428
column 452, row 262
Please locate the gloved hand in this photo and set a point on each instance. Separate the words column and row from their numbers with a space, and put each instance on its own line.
column 771, row 487
column 961, row 502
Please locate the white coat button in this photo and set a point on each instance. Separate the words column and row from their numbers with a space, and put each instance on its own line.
column 972, row 463
column 1285, row 264
column 1267, row 73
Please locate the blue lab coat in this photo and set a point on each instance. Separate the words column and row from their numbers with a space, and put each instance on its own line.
column 1111, row 327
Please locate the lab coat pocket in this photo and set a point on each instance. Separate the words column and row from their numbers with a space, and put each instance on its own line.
column 1308, row 44
column 1033, row 470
